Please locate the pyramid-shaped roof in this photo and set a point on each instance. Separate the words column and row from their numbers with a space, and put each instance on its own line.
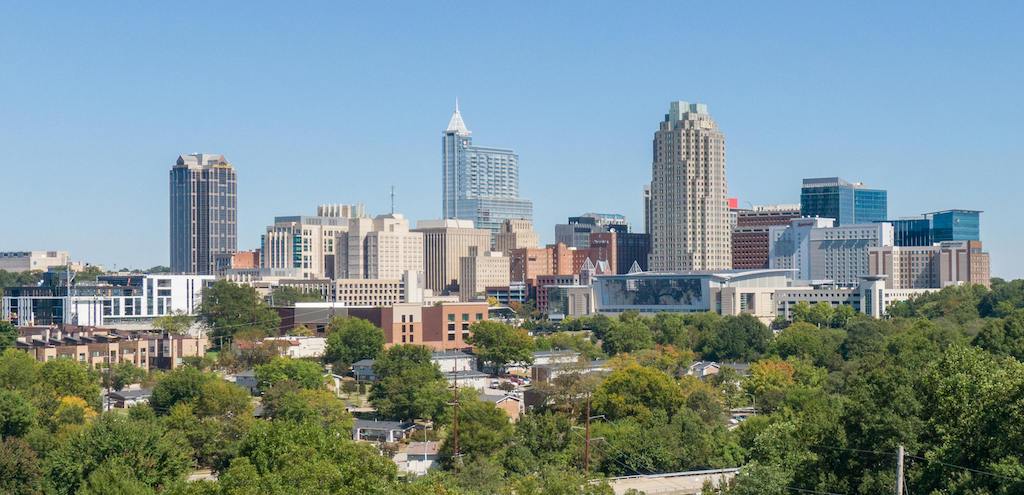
column 456, row 124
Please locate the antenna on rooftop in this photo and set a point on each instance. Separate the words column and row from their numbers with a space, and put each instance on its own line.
column 392, row 200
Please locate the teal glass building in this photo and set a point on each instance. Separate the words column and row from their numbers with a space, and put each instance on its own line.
column 848, row 203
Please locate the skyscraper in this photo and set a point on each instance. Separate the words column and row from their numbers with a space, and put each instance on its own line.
column 204, row 221
column 690, row 227
column 845, row 202
column 479, row 184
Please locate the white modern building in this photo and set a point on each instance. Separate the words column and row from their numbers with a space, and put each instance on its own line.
column 115, row 301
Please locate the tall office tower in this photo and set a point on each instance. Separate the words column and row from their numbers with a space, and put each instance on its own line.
column 750, row 235
column 478, row 271
column 445, row 242
column 647, row 208
column 308, row 243
column 516, row 234
column 382, row 247
column 847, row 202
column 689, row 207
column 204, row 212
column 479, row 184
column 931, row 267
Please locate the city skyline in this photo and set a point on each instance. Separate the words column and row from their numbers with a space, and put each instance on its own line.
column 888, row 127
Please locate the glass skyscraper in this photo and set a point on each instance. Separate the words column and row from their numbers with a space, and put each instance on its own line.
column 479, row 184
column 847, row 203
column 204, row 209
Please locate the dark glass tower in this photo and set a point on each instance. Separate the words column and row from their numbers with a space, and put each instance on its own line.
column 204, row 209
column 847, row 203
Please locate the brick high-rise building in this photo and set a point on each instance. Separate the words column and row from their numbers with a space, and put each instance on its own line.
column 750, row 235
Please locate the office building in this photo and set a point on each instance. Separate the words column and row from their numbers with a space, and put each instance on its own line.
column 870, row 297
column 516, row 233
column 478, row 183
column 750, row 234
column 24, row 261
column 847, row 203
column 114, row 301
column 309, row 243
column 931, row 267
column 382, row 247
column 445, row 242
column 939, row 226
column 481, row 270
column 576, row 233
column 818, row 251
column 355, row 292
column 204, row 212
column 689, row 207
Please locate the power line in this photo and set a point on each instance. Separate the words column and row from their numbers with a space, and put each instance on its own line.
column 979, row 471
column 803, row 490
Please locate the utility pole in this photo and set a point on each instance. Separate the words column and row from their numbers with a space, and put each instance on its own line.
column 899, row 471
column 586, row 444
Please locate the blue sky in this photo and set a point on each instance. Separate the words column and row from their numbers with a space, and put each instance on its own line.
column 336, row 102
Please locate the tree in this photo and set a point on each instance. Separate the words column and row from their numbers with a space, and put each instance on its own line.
column 288, row 296
column 17, row 414
column 483, row 428
column 820, row 345
column 156, row 459
column 228, row 308
column 114, row 477
column 123, row 374
column 18, row 370
column 500, row 344
column 409, row 385
column 287, row 401
column 220, row 398
column 20, row 472
column 307, row 374
column 8, row 335
column 570, row 342
column 671, row 329
column 821, row 314
column 740, row 337
column 627, row 336
column 175, row 324
column 298, row 458
column 64, row 377
column 637, row 391
column 352, row 339
column 184, row 384
column 1003, row 336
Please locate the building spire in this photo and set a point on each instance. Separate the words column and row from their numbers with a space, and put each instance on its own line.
column 456, row 124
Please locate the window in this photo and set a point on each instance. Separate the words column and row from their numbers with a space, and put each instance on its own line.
column 479, row 316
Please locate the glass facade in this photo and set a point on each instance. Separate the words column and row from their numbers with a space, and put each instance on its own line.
column 949, row 225
column 956, row 225
column 912, row 232
column 680, row 292
column 203, row 220
column 479, row 183
column 843, row 201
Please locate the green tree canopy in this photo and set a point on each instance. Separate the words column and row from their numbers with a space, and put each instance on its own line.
column 740, row 337
column 352, row 339
column 409, row 385
column 288, row 296
column 637, row 391
column 228, row 308
column 156, row 458
column 627, row 336
column 307, row 374
column 483, row 428
column 499, row 344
